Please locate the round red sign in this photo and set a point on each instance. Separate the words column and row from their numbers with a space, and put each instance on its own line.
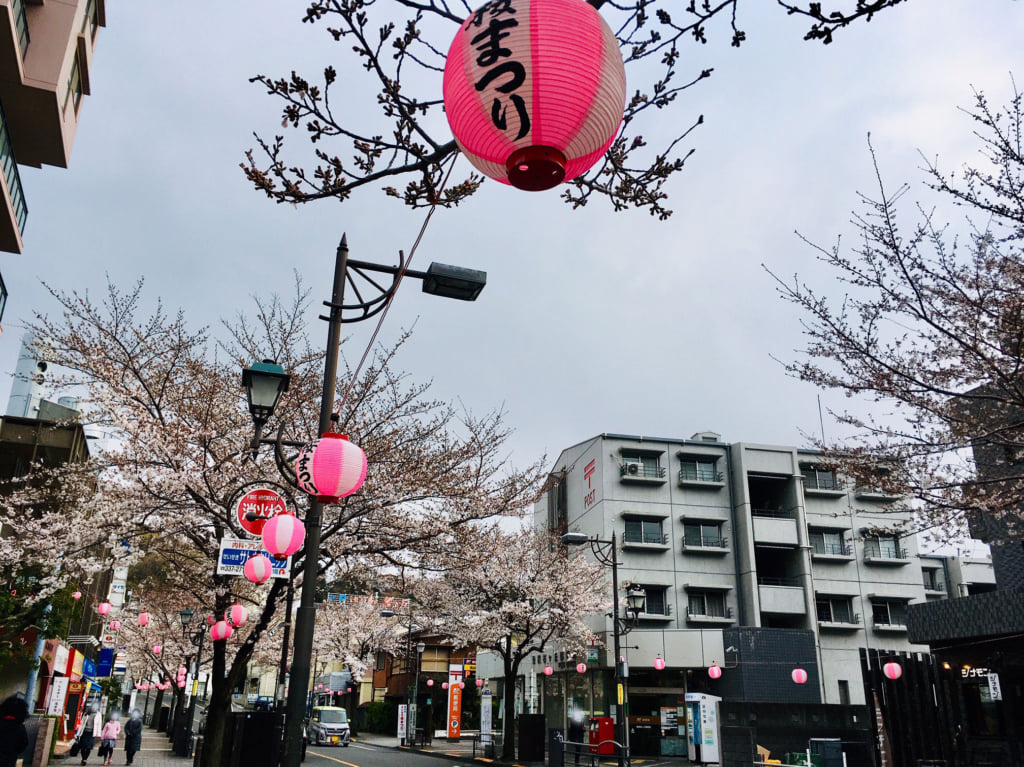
column 256, row 507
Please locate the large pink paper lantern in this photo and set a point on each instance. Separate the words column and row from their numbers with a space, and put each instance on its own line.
column 258, row 568
column 115, row 625
column 659, row 663
column 210, row 620
column 534, row 90
column 715, row 671
column 221, row 630
column 103, row 608
column 430, row 683
column 283, row 535
column 892, row 670
column 581, row 668
column 479, row 682
column 548, row 671
column 799, row 676
column 444, row 685
column 330, row 468
column 143, row 619
column 236, row 615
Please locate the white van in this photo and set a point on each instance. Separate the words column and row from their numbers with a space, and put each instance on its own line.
column 328, row 725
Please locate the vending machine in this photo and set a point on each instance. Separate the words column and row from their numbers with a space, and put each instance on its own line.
column 702, row 738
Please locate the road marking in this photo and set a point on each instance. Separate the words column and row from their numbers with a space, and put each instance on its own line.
column 333, row 759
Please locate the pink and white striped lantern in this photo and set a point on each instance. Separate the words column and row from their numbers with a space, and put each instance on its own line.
column 182, row 672
column 145, row 685
column 715, row 671
column 799, row 676
column 236, row 615
column 330, row 468
column 210, row 620
column 444, row 685
column 534, row 90
column 892, row 670
column 479, row 682
column 181, row 684
column 581, row 668
column 115, row 625
column 258, row 568
column 143, row 619
column 548, row 671
column 462, row 685
column 430, row 683
column 103, row 608
column 76, row 595
column 659, row 663
column 221, row 630
column 157, row 649
column 283, row 535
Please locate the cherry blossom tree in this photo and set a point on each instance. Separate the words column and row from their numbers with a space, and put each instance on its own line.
column 931, row 331
column 172, row 397
column 517, row 594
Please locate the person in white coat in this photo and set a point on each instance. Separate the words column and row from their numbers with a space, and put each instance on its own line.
column 88, row 731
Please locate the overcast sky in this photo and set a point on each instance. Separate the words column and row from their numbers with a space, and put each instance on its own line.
column 591, row 321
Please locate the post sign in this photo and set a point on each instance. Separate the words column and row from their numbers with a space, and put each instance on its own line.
column 257, row 506
column 454, row 701
column 402, row 727
column 486, row 735
column 234, row 553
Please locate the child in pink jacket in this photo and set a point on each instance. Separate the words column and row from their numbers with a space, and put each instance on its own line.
column 111, row 731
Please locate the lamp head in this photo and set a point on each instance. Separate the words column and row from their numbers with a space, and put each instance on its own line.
column 454, row 282
column 575, row 539
column 186, row 616
column 636, row 599
column 264, row 384
column 387, row 613
column 420, row 647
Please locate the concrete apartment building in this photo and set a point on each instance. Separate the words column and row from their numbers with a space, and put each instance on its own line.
column 729, row 539
column 46, row 50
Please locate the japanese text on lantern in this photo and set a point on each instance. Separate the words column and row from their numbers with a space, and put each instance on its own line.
column 488, row 45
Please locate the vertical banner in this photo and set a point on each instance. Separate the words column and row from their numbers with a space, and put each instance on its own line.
column 401, row 720
column 485, row 716
column 454, row 701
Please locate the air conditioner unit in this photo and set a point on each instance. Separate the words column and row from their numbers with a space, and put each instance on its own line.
column 633, row 468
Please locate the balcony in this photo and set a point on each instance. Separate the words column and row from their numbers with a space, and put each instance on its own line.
column 721, row 620
column 889, row 628
column 715, row 545
column 781, row 596
column 934, row 589
column 774, row 527
column 840, row 623
column 831, row 551
column 15, row 211
column 875, row 494
column 642, row 540
column 886, row 556
column 642, row 474
column 699, row 477
column 824, row 486
column 665, row 614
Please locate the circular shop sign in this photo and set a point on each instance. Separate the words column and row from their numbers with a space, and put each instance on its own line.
column 257, row 506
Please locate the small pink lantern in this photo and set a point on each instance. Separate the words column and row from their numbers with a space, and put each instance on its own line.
column 799, row 676
column 138, row 686
column 76, row 595
column 331, row 468
column 659, row 663
column 145, row 685
column 258, row 568
column 430, row 683
column 534, row 90
column 892, row 670
column 103, row 608
column 444, row 685
column 479, row 682
column 548, row 671
column 462, row 685
column 715, row 671
column 283, row 535
column 581, row 668
column 182, row 672
column 157, row 649
column 210, row 620
column 221, row 630
column 236, row 615
column 115, row 625
column 181, row 684
column 143, row 619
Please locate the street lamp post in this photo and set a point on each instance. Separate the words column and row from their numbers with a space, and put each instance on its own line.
column 415, row 701
column 182, row 747
column 606, row 552
column 439, row 279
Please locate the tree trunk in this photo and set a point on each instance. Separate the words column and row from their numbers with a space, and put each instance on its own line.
column 508, row 722
column 218, row 710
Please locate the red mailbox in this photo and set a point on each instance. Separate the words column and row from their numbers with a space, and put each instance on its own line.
column 602, row 735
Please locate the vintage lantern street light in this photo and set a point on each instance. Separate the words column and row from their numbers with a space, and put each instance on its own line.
column 544, row 104
column 264, row 384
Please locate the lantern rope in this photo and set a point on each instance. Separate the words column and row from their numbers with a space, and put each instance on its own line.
column 394, row 291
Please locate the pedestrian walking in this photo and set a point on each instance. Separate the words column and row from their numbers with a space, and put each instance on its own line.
column 13, row 736
column 88, row 730
column 109, row 736
column 133, row 735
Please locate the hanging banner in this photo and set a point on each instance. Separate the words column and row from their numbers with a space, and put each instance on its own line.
column 58, row 693
column 454, row 701
column 234, row 553
column 486, row 735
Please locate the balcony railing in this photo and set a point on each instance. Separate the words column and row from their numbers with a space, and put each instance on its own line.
column 823, row 483
column 776, row 513
column 10, row 170
column 705, row 542
column 879, row 552
column 662, row 611
column 21, row 23
column 842, row 620
column 889, row 624
column 631, row 536
column 690, row 474
column 641, row 471
column 937, row 586
column 718, row 615
column 764, row 580
column 831, row 549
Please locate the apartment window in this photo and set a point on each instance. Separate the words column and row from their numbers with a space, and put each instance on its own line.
column 21, row 22
column 844, row 692
column 709, row 603
column 698, row 470
column 933, row 580
column 10, row 171
column 643, row 531
column 642, row 465
column 888, row 612
column 3, row 297
column 703, row 534
column 834, row 609
column 655, row 602
column 883, row 547
column 74, row 85
column 91, row 20
column 817, row 478
column 832, row 542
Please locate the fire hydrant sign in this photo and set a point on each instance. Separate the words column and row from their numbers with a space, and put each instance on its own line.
column 257, row 506
column 234, row 553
